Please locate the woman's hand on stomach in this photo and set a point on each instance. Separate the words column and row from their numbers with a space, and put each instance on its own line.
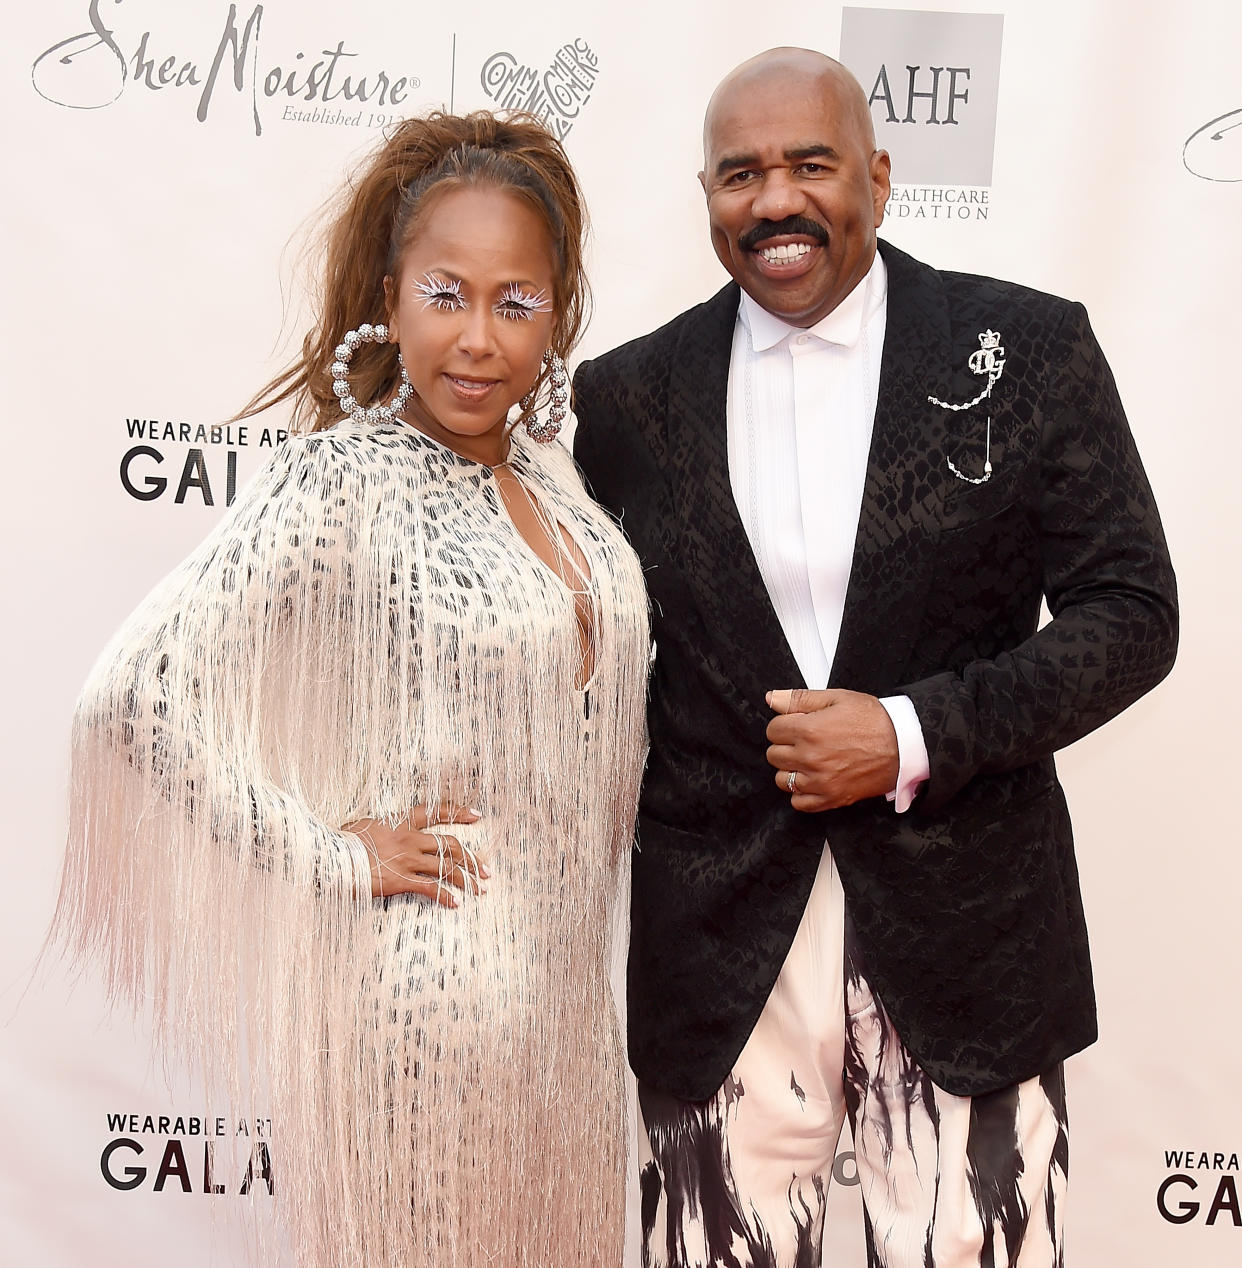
column 409, row 858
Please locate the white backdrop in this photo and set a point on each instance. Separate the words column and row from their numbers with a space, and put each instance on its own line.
column 147, row 281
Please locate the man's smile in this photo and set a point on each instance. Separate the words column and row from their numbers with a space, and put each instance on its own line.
column 785, row 258
column 783, row 250
column 785, row 254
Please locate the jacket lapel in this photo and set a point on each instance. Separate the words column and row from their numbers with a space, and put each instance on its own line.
column 901, row 507
column 904, row 486
column 713, row 550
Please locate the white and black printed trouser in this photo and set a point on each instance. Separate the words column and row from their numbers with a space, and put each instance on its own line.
column 740, row 1181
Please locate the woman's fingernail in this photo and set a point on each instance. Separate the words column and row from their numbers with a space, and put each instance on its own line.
column 478, row 814
column 768, row 698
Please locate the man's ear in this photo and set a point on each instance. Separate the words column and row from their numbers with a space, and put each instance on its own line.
column 881, row 184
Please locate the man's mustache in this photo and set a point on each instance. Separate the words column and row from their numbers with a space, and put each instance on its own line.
column 791, row 225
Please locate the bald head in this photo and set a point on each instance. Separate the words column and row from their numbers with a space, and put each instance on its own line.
column 795, row 186
column 797, row 71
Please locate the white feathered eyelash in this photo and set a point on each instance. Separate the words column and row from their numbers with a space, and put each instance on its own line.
column 515, row 303
column 443, row 294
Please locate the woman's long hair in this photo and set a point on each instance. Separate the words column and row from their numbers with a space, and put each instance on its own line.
column 372, row 221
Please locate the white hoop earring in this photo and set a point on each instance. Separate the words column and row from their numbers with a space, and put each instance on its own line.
column 366, row 333
column 558, row 406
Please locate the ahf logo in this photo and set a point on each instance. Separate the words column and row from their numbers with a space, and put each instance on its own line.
column 932, row 81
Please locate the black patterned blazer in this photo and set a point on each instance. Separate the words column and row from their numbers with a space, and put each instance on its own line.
column 967, row 908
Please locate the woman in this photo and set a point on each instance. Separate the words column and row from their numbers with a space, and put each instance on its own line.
column 357, row 780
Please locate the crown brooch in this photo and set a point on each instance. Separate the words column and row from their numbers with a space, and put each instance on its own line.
column 988, row 360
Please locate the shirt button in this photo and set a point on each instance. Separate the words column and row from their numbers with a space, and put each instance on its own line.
column 803, row 340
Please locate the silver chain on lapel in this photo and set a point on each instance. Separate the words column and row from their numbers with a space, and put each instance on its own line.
column 989, row 359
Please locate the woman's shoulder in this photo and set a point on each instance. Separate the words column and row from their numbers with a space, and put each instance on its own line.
column 370, row 451
column 546, row 459
column 348, row 438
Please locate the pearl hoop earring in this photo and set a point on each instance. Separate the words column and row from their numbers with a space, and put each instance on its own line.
column 366, row 333
column 558, row 407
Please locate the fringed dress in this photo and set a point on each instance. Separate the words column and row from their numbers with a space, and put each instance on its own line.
column 366, row 631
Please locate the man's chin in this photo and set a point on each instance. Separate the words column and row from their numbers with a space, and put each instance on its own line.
column 795, row 307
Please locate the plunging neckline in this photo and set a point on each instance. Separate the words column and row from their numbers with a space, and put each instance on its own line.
column 583, row 602
column 518, row 461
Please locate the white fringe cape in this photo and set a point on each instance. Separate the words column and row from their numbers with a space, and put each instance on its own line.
column 365, row 631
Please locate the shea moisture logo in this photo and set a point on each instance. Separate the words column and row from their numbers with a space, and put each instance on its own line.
column 1202, row 1187
column 1213, row 152
column 93, row 68
column 188, row 462
column 187, row 1153
column 556, row 95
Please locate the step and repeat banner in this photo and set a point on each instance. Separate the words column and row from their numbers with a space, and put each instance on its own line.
column 164, row 162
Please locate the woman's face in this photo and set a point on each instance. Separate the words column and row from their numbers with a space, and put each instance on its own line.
column 471, row 309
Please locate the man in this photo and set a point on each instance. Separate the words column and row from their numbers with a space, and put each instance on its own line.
column 862, row 474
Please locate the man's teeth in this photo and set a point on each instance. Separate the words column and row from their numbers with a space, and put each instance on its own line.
column 784, row 254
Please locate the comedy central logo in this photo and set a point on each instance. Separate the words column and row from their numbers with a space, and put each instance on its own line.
column 933, row 82
column 554, row 93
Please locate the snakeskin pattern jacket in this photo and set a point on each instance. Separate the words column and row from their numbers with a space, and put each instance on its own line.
column 967, row 908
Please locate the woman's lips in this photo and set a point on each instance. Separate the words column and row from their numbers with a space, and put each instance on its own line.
column 470, row 389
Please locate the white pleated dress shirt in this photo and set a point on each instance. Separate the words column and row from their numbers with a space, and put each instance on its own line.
column 801, row 405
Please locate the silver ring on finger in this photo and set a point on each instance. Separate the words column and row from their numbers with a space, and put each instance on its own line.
column 791, row 782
